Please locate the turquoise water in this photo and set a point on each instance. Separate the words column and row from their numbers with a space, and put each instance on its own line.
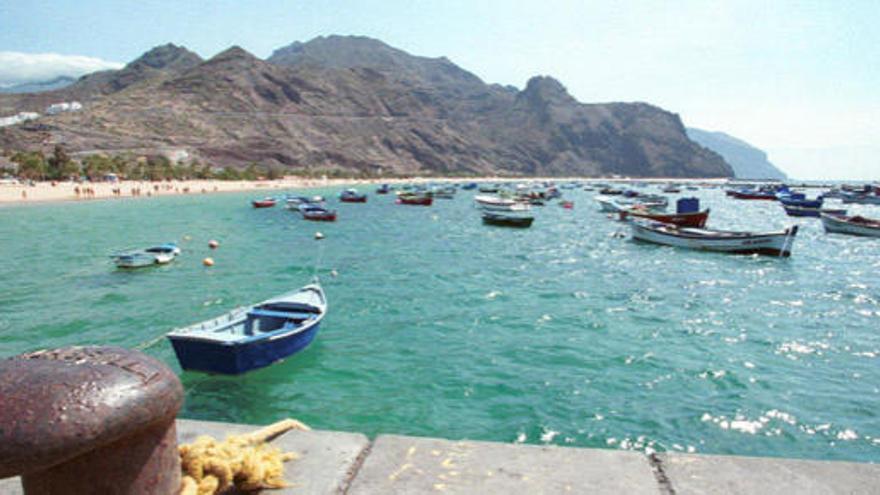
column 438, row 325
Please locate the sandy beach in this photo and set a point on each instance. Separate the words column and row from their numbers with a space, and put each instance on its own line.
column 41, row 192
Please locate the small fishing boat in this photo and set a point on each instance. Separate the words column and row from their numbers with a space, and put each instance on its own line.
column 671, row 189
column 861, row 199
column 254, row 337
column 687, row 214
column 568, row 205
column 469, row 186
column 801, row 211
column 855, row 225
column 151, row 256
column 769, row 243
column 316, row 213
column 507, row 220
column 416, row 199
column 799, row 199
column 352, row 196
column 383, row 189
column 610, row 191
column 447, row 192
column 754, row 195
column 500, row 203
column 488, row 188
column 263, row 203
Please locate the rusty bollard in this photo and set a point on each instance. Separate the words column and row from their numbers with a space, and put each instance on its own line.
column 89, row 420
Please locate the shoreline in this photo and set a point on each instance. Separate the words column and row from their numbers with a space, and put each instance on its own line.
column 62, row 192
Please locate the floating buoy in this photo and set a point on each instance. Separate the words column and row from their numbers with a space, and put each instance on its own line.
column 208, row 261
column 213, row 244
column 187, row 238
column 333, row 273
column 319, row 236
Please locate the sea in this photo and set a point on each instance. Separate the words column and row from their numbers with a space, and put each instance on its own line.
column 567, row 333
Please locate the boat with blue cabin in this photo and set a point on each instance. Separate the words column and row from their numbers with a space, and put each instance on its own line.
column 254, row 337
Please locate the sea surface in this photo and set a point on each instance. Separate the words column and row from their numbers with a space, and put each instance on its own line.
column 564, row 333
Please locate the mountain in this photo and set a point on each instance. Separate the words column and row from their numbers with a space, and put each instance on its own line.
column 357, row 104
column 39, row 86
column 159, row 62
column 747, row 161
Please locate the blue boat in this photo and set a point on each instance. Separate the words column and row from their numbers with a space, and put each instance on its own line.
column 469, row 186
column 254, row 337
column 800, row 199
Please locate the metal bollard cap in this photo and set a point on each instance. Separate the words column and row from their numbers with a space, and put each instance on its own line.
column 56, row 405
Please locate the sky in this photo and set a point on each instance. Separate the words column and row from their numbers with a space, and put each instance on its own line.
column 797, row 79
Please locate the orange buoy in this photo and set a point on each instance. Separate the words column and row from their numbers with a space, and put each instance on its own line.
column 208, row 262
column 213, row 244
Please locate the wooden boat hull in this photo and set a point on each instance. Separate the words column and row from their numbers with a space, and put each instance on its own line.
column 501, row 205
column 355, row 199
column 418, row 201
column 799, row 211
column 753, row 196
column 521, row 222
column 320, row 217
column 838, row 224
column 210, row 347
column 263, row 204
column 773, row 244
column 696, row 219
column 237, row 358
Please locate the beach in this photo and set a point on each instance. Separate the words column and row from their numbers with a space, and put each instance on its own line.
column 42, row 192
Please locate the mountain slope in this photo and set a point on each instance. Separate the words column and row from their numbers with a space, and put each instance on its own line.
column 354, row 103
column 40, row 86
column 747, row 161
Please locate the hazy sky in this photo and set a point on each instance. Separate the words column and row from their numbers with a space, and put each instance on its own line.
column 800, row 80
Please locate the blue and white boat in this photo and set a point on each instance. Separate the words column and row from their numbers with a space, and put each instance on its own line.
column 254, row 337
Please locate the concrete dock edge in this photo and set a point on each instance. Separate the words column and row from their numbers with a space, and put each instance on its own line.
column 349, row 463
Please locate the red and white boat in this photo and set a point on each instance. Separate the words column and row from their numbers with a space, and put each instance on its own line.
column 263, row 203
column 694, row 219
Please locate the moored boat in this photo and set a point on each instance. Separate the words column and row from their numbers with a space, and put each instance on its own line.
column 253, row 337
column 801, row 211
column 769, row 243
column 500, row 203
column 155, row 255
column 316, row 213
column 687, row 214
column 507, row 220
column 352, row 196
column 754, row 195
column 383, row 189
column 854, row 225
column 416, row 199
column 263, row 203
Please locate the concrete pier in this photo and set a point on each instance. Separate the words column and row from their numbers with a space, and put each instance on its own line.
column 337, row 462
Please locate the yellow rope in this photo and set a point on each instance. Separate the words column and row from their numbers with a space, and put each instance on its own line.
column 244, row 461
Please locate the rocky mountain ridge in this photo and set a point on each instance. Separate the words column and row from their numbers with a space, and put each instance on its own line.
column 748, row 162
column 357, row 104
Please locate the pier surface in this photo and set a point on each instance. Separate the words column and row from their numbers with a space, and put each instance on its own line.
column 336, row 462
